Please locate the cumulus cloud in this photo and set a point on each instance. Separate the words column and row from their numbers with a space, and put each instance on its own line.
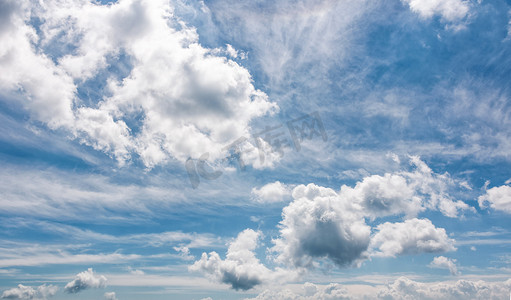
column 271, row 192
column 178, row 99
column 320, row 224
column 85, row 280
column 310, row 291
column 241, row 269
column 27, row 292
column 498, row 198
column 442, row 262
column 404, row 288
column 110, row 296
column 405, row 192
column 449, row 10
column 400, row 289
column 410, row 237
column 47, row 91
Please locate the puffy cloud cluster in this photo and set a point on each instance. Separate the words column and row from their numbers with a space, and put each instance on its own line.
column 311, row 291
column 85, row 280
column 404, row 289
column 410, row 237
column 271, row 192
column 241, row 269
column 23, row 292
column 449, row 10
column 498, row 198
column 442, row 262
column 324, row 225
column 321, row 223
column 177, row 98
column 400, row 289
column 405, row 192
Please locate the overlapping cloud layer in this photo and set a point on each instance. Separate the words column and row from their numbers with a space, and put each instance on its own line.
column 171, row 98
column 321, row 224
column 402, row 288
column 132, row 80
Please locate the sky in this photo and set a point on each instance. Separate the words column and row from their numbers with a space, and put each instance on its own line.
column 235, row 149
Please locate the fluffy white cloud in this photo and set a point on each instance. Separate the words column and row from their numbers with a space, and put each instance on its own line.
column 47, row 92
column 186, row 100
column 311, row 291
column 85, row 280
column 241, row 269
column 27, row 292
column 385, row 195
column 400, row 289
column 320, row 224
column 449, row 10
column 271, row 192
column 405, row 289
column 498, row 198
column 110, row 296
column 410, row 237
column 443, row 262
column 405, row 192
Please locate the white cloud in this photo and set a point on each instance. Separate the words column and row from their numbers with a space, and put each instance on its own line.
column 293, row 36
column 442, row 262
column 241, row 269
column 449, row 10
column 48, row 92
column 271, row 192
column 27, row 292
column 322, row 223
column 410, row 237
column 110, row 296
column 399, row 289
column 310, row 291
column 404, row 289
column 498, row 198
column 189, row 100
column 385, row 195
column 406, row 192
column 85, row 280
column 319, row 224
column 184, row 252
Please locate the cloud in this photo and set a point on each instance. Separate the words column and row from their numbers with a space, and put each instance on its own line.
column 240, row 269
column 449, row 10
column 319, row 224
column 401, row 288
column 85, row 280
column 27, row 292
column 177, row 98
column 498, row 198
column 405, row 192
column 404, row 288
column 47, row 91
column 271, row 192
column 410, row 237
column 310, row 291
column 442, row 262
column 110, row 296
column 292, row 38
column 184, row 252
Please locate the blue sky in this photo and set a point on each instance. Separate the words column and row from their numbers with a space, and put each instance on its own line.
column 255, row 149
